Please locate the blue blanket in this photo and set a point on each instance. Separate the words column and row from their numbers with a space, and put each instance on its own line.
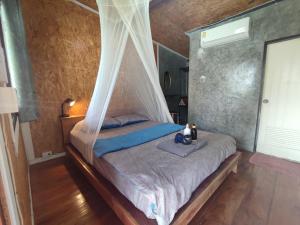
column 103, row 146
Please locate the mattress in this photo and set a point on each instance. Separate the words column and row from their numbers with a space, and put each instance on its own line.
column 157, row 182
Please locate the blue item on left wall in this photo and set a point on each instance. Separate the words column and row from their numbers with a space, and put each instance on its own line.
column 135, row 138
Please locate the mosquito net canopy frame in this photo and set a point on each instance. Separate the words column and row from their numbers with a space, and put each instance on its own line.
column 127, row 80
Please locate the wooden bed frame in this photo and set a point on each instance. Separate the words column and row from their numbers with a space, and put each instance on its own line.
column 123, row 208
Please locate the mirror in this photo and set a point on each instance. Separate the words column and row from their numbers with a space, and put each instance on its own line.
column 167, row 80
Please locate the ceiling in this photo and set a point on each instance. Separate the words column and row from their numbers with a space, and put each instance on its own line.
column 170, row 19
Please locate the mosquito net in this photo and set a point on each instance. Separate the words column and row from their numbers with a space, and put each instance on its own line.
column 127, row 79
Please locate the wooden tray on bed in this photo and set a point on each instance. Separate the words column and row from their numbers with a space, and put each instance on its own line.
column 128, row 213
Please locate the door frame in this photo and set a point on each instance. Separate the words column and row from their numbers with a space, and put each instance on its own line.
column 262, row 83
column 8, row 183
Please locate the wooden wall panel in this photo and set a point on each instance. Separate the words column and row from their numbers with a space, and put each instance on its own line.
column 19, row 170
column 4, row 214
column 64, row 46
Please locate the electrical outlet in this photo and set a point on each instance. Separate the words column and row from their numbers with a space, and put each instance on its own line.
column 47, row 154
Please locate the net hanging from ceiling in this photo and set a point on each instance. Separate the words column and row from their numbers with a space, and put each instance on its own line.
column 127, row 79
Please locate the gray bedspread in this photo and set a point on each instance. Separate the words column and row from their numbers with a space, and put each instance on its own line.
column 158, row 182
column 181, row 149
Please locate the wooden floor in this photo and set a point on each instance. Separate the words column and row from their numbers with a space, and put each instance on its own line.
column 255, row 196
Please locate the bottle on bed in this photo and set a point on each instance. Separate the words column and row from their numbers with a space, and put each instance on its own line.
column 187, row 132
column 194, row 132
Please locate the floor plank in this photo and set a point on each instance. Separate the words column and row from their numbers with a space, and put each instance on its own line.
column 254, row 208
column 61, row 195
column 254, row 196
column 286, row 201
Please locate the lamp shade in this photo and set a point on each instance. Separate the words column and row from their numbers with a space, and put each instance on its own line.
column 69, row 102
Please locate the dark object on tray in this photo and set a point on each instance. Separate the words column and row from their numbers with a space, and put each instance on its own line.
column 184, row 139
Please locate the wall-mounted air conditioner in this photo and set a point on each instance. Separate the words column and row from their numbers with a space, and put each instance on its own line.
column 230, row 32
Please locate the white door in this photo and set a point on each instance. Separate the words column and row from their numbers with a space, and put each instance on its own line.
column 279, row 129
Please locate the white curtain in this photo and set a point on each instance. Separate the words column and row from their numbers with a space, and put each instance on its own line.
column 128, row 79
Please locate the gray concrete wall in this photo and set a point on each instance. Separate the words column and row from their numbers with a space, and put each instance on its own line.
column 228, row 100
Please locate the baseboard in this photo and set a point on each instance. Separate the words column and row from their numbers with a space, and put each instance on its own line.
column 44, row 159
column 26, row 133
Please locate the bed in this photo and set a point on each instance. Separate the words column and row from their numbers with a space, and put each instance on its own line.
column 155, row 185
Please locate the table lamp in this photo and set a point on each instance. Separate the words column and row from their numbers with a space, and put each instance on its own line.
column 68, row 103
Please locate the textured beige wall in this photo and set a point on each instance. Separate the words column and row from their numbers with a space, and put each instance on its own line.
column 64, row 46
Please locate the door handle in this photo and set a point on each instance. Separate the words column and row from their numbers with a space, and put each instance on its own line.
column 265, row 101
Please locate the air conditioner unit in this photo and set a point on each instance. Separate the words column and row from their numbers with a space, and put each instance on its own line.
column 230, row 32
